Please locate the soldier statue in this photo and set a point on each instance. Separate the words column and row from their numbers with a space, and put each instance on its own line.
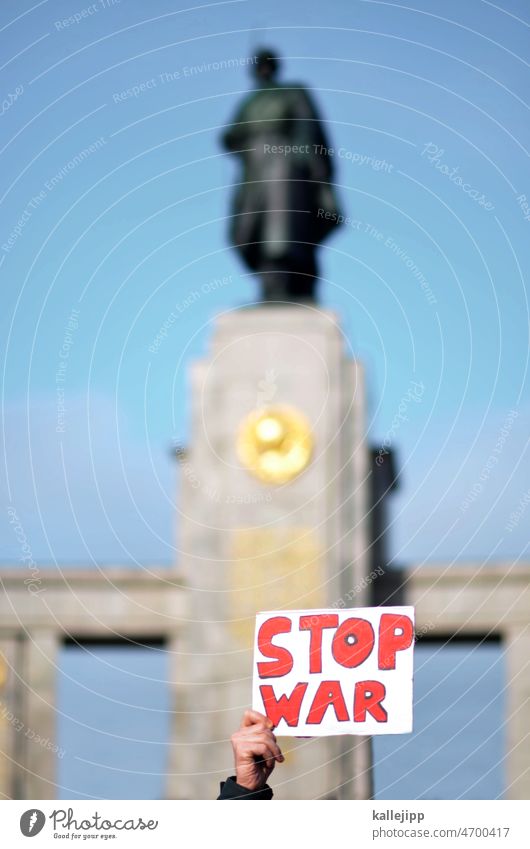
column 284, row 205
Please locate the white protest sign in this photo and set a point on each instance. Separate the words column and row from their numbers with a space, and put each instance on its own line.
column 323, row 672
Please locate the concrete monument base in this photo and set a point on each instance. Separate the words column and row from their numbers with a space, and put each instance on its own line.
column 250, row 545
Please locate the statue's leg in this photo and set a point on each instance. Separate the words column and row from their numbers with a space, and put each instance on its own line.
column 274, row 282
column 303, row 279
column 302, row 287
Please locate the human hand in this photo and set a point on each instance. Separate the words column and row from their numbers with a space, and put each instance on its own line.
column 255, row 750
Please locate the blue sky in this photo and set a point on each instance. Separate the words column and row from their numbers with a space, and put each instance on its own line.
column 138, row 225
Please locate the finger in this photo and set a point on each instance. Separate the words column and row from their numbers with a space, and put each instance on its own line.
column 255, row 730
column 253, row 717
column 261, row 753
column 256, row 748
column 266, row 739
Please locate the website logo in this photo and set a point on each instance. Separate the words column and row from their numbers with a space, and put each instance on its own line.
column 32, row 822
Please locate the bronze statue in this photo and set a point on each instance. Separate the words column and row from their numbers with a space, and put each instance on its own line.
column 284, row 206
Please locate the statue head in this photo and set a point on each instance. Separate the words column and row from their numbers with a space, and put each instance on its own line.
column 266, row 66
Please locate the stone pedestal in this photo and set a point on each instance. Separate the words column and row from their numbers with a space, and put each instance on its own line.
column 11, row 723
column 40, row 673
column 518, row 713
column 247, row 546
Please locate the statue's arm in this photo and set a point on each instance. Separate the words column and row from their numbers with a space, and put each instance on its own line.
column 309, row 129
column 235, row 135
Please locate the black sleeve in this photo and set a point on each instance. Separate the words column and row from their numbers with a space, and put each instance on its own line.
column 230, row 789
